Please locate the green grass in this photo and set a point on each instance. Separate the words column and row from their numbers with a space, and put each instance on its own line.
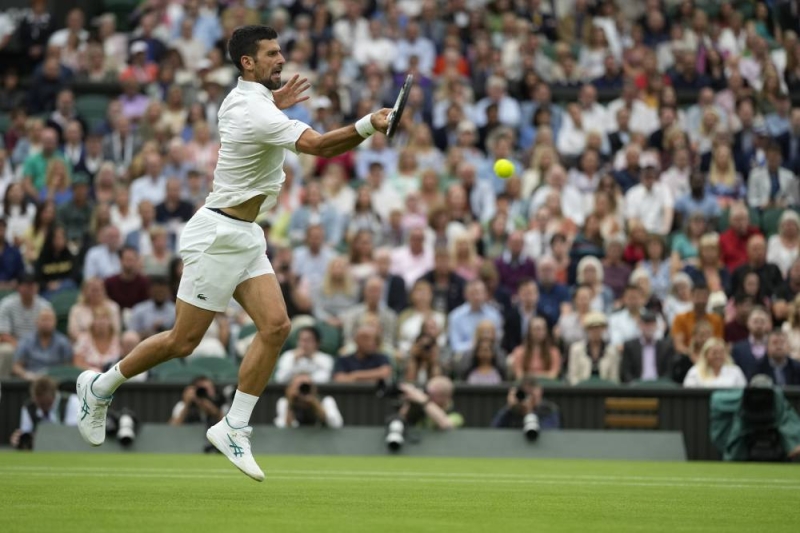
column 60, row 493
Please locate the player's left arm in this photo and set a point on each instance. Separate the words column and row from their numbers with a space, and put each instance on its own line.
column 341, row 140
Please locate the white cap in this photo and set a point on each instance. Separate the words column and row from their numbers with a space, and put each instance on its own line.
column 322, row 102
column 138, row 47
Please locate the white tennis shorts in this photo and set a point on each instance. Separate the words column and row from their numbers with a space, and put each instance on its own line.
column 218, row 254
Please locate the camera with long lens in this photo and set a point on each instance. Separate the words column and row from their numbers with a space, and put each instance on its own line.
column 521, row 395
column 530, row 426
column 123, row 425
column 201, row 393
column 395, row 435
column 304, row 389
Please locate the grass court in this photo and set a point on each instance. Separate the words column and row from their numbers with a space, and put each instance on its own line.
column 62, row 493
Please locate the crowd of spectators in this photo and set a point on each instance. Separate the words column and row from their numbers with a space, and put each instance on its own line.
column 650, row 230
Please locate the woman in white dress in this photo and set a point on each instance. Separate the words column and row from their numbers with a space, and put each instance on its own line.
column 783, row 248
column 715, row 368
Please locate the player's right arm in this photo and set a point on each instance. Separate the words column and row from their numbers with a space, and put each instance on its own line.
column 341, row 140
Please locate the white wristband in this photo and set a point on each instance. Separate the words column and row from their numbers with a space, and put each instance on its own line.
column 364, row 126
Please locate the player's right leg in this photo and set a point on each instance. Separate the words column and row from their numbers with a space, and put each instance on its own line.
column 96, row 390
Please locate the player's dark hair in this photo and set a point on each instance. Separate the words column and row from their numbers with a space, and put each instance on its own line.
column 244, row 42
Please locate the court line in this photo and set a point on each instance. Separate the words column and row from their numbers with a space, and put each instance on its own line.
column 386, row 473
column 421, row 477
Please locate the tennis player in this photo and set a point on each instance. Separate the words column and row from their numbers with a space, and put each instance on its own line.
column 224, row 251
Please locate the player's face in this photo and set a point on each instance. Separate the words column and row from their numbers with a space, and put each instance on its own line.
column 268, row 64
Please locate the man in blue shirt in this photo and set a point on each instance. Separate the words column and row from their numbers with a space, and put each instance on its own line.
column 463, row 320
column 44, row 349
column 552, row 295
column 366, row 364
column 11, row 265
column 699, row 200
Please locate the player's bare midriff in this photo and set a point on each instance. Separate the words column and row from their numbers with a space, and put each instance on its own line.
column 248, row 210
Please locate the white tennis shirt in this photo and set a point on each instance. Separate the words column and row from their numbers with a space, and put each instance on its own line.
column 253, row 136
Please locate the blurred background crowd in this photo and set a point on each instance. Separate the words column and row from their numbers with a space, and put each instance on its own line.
column 650, row 230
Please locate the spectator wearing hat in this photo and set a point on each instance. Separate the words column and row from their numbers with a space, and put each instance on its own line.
column 11, row 264
column 76, row 214
column 624, row 324
column 650, row 201
column 645, row 357
column 595, row 356
column 139, row 69
column 772, row 185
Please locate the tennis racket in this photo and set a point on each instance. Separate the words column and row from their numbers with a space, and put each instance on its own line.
column 399, row 107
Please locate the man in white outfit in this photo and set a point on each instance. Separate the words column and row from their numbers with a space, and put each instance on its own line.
column 224, row 251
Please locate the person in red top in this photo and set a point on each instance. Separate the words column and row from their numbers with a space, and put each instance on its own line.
column 733, row 241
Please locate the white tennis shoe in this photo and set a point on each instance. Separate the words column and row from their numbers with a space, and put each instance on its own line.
column 92, row 416
column 234, row 443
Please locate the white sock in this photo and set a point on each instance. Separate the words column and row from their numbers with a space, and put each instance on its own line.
column 105, row 385
column 241, row 409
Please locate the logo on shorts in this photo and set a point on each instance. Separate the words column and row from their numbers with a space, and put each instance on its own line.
column 202, row 297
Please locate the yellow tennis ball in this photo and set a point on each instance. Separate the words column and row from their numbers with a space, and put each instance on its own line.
column 504, row 168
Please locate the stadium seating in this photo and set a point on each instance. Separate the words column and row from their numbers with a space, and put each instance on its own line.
column 214, row 367
column 62, row 302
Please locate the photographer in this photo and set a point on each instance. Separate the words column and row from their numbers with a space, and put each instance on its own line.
column 433, row 409
column 423, row 356
column 523, row 399
column 201, row 404
column 301, row 406
column 46, row 405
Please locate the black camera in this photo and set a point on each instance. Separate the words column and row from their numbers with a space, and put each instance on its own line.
column 388, row 390
column 201, row 392
column 304, row 389
column 521, row 395
column 25, row 442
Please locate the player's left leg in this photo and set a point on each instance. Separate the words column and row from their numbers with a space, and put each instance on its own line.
column 262, row 299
